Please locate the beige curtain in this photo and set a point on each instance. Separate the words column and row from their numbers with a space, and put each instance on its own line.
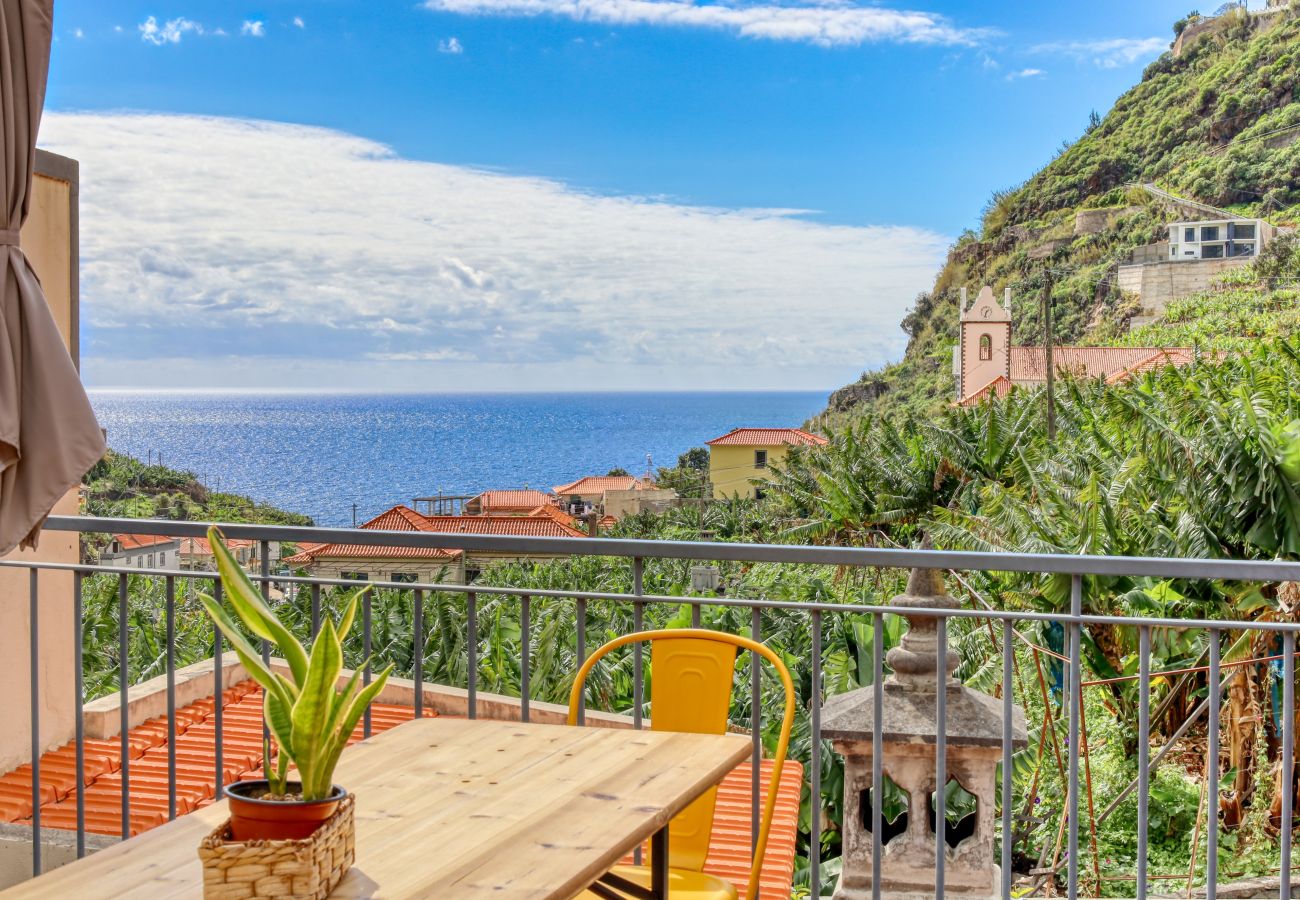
column 48, row 434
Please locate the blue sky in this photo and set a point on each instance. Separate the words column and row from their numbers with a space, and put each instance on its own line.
column 711, row 178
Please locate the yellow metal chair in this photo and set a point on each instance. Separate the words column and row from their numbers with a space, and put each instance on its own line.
column 692, row 672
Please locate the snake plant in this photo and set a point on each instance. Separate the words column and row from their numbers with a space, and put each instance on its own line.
column 309, row 717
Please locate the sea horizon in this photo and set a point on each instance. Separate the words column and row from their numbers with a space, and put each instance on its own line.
column 319, row 452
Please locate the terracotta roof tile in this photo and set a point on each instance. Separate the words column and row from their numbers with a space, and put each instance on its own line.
column 520, row 501
column 141, row 541
column 521, row 526
column 199, row 546
column 729, row 854
column 1175, row 356
column 767, row 437
column 598, row 484
column 998, row 387
column 1029, row 364
column 402, row 518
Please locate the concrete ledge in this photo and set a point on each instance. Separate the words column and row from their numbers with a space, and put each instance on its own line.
column 148, row 699
column 58, row 848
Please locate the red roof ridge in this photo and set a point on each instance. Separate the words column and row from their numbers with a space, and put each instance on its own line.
column 768, row 436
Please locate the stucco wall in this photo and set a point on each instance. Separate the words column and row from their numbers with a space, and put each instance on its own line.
column 50, row 241
column 1157, row 284
column 976, row 373
column 732, row 467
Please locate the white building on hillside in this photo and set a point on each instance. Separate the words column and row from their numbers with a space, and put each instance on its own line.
column 1218, row 238
column 141, row 551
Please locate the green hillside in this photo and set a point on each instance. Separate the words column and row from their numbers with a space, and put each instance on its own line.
column 1218, row 124
column 121, row 486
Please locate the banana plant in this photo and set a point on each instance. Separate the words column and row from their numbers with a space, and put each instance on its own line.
column 309, row 717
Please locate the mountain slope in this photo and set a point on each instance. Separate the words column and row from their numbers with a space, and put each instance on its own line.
column 1219, row 124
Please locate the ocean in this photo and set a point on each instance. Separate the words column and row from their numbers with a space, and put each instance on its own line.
column 318, row 454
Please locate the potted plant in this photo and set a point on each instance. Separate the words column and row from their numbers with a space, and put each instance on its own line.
column 309, row 718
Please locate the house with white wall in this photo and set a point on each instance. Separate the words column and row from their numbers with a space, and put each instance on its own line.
column 142, row 551
column 1218, row 239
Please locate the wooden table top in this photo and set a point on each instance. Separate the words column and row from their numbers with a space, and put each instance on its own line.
column 457, row 808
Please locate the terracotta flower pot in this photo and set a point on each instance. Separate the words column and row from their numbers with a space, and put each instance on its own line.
column 256, row 817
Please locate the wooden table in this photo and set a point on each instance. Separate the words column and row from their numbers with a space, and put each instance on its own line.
column 455, row 808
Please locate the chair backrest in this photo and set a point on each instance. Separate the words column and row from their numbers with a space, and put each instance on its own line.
column 691, row 676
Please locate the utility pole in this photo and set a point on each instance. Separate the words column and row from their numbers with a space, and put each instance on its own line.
column 1048, row 341
column 354, row 515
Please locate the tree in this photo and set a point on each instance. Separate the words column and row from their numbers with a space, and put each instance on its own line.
column 690, row 474
column 618, row 472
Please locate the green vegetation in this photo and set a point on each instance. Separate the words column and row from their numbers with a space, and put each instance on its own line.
column 1220, row 124
column 121, row 486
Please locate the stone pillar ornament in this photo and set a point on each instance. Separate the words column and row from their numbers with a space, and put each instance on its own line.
column 908, row 727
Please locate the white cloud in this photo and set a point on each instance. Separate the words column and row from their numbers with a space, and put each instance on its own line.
column 170, row 32
column 1025, row 73
column 78, row 33
column 1108, row 54
column 117, row 29
column 253, row 28
column 451, row 45
column 298, row 22
column 229, row 252
column 828, row 24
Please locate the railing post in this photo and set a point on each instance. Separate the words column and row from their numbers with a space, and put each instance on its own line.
column 756, row 725
column 1008, row 656
column 1144, row 754
column 1212, row 766
column 471, row 608
column 815, row 725
column 78, row 704
column 1075, row 693
column 417, row 649
column 877, row 747
column 171, row 696
column 1288, row 755
column 124, row 684
column 33, row 633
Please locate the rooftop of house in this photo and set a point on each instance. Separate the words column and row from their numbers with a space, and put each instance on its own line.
column 510, row 501
column 403, row 518
column 599, row 484
column 767, row 437
column 241, row 758
column 998, row 387
column 140, row 541
column 1029, row 364
column 200, row 546
column 1114, row 364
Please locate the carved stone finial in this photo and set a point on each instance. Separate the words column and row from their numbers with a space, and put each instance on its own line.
column 915, row 660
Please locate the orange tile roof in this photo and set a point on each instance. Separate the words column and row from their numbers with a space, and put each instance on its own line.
column 403, row 518
column 998, row 387
column 199, row 546
column 598, row 484
column 241, row 743
column 399, row 518
column 1029, row 364
column 141, row 541
column 551, row 511
column 1175, row 356
column 513, row 501
column 767, row 437
column 519, row 526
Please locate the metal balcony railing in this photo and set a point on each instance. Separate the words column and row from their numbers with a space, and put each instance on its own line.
column 637, row 553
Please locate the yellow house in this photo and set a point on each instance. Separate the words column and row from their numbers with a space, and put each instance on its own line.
column 744, row 454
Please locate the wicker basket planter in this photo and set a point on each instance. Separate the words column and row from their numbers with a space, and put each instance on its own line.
column 299, row 870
